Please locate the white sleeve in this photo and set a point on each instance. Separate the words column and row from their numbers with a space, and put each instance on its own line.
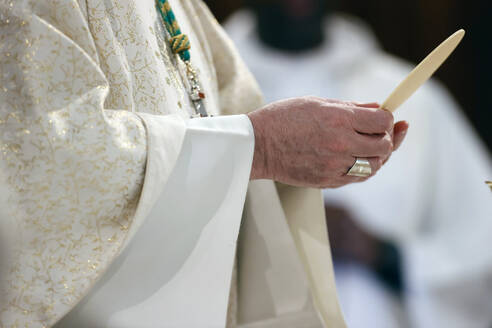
column 181, row 259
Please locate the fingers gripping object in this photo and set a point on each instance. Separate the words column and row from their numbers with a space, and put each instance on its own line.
column 408, row 86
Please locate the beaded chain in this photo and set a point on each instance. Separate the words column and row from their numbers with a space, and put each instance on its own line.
column 180, row 45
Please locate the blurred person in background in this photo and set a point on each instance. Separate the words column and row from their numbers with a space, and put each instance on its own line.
column 430, row 200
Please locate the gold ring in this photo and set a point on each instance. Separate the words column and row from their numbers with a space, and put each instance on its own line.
column 361, row 168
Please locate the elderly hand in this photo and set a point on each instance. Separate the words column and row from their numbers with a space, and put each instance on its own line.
column 313, row 142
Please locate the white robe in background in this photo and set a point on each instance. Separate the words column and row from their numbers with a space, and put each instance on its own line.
column 430, row 198
column 114, row 200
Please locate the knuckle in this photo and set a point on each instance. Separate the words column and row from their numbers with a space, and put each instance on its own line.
column 388, row 120
column 312, row 99
column 316, row 98
column 353, row 118
column 387, row 146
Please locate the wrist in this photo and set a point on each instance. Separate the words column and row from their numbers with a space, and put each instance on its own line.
column 259, row 169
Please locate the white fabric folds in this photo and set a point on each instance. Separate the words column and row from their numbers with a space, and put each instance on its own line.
column 176, row 270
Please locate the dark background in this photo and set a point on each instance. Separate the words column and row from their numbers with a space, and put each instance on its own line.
column 412, row 28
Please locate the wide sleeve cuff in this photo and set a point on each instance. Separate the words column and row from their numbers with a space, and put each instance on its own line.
column 180, row 258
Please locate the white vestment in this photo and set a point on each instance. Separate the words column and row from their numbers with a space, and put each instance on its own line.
column 430, row 198
column 110, row 192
